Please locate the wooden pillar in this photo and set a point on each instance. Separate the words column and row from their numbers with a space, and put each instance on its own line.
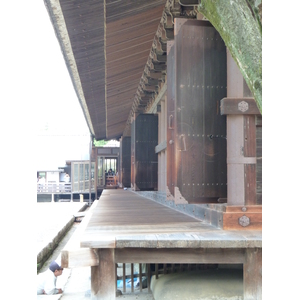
column 159, row 161
column 171, row 115
column 132, row 152
column 103, row 276
column 90, row 169
column 253, row 274
column 240, row 108
column 242, row 211
column 125, row 161
column 161, row 142
column 241, row 151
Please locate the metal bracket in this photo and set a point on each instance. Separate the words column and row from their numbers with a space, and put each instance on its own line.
column 244, row 221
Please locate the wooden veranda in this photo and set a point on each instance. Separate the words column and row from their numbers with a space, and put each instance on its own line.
column 127, row 228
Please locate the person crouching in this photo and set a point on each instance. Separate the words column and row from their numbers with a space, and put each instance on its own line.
column 46, row 281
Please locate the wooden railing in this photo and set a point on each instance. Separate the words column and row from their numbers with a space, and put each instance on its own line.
column 124, row 281
column 54, row 188
column 83, row 186
column 141, row 280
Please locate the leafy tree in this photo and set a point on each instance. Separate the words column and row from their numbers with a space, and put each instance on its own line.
column 99, row 143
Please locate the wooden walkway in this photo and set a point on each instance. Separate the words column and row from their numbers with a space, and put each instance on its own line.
column 126, row 219
column 125, row 227
column 121, row 213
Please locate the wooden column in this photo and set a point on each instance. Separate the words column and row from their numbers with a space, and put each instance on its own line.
column 161, row 147
column 171, row 115
column 253, row 274
column 241, row 165
column 240, row 108
column 125, row 161
column 241, row 150
column 103, row 276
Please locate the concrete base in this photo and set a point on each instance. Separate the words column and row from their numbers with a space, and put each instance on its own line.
column 221, row 284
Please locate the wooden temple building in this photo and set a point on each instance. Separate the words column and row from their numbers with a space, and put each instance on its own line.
column 157, row 76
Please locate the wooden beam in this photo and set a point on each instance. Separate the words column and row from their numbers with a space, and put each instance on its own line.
column 158, row 98
column 150, row 88
column 242, row 221
column 160, row 147
column 80, row 257
column 253, row 274
column 244, row 208
column 239, row 106
column 72, row 256
column 241, row 159
column 154, row 75
column 103, row 276
column 180, row 255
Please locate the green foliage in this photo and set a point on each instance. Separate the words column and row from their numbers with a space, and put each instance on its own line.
column 100, row 143
column 239, row 24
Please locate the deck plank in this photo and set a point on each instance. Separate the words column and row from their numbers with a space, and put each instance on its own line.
column 126, row 219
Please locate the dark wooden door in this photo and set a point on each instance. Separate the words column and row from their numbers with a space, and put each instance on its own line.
column 200, row 130
column 143, row 148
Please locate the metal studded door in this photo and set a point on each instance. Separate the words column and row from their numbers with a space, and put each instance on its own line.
column 200, row 138
column 143, row 146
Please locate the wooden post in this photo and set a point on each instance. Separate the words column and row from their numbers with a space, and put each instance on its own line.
column 103, row 276
column 240, row 109
column 253, row 274
column 241, row 153
column 90, row 175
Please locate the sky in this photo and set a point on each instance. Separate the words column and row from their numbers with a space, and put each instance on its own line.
column 36, row 92
column 62, row 132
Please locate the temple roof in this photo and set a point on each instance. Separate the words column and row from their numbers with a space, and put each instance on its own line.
column 115, row 52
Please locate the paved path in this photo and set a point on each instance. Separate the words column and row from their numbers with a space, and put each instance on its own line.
column 53, row 219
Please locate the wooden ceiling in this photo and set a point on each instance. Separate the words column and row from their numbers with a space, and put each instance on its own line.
column 115, row 51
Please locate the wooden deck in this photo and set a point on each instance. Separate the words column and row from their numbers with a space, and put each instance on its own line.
column 126, row 219
column 128, row 228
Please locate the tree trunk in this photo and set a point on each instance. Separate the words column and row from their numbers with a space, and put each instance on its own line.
column 239, row 27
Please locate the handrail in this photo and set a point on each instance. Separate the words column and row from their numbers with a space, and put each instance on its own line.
column 64, row 188
column 83, row 186
column 54, row 188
